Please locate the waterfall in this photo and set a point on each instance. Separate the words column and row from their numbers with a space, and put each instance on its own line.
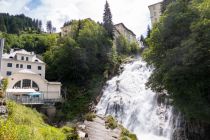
column 126, row 98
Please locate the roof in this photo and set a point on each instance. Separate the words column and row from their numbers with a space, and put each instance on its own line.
column 12, row 54
column 155, row 4
column 125, row 28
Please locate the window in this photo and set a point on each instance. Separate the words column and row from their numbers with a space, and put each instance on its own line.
column 22, row 58
column 17, row 65
column 154, row 13
column 9, row 64
column 28, row 66
column 21, row 65
column 39, row 67
column 17, row 85
column 26, row 83
column 26, row 58
column 9, row 73
column 153, row 7
column 35, row 86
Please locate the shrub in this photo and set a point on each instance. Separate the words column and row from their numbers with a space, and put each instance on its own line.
column 110, row 122
column 126, row 134
column 90, row 116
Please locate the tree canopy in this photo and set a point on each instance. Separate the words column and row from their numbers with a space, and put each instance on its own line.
column 18, row 23
column 179, row 50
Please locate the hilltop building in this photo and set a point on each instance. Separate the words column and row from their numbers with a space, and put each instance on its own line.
column 121, row 29
column 26, row 76
column 155, row 12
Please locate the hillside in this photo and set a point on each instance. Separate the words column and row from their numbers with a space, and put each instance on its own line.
column 27, row 124
column 18, row 23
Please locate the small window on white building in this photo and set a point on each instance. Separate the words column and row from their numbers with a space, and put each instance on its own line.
column 26, row 58
column 17, row 65
column 22, row 57
column 21, row 65
column 26, row 83
column 28, row 66
column 9, row 73
column 155, row 14
column 39, row 67
column 9, row 64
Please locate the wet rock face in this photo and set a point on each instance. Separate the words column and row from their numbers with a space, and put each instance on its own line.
column 190, row 129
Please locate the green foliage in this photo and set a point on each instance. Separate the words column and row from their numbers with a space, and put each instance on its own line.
column 38, row 43
column 4, row 83
column 89, row 116
column 126, row 134
column 71, row 133
column 125, row 47
column 107, row 20
column 18, row 23
column 24, row 124
column 179, row 51
column 111, row 122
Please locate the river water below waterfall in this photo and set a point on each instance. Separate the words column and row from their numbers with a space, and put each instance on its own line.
column 126, row 98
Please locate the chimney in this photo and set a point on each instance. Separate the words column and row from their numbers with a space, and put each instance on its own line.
column 1, row 53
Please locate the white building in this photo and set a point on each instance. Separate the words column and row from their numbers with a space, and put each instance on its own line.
column 155, row 12
column 26, row 76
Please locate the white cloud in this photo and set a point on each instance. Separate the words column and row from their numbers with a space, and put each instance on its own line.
column 133, row 13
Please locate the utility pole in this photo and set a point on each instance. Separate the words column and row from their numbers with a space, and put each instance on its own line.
column 1, row 54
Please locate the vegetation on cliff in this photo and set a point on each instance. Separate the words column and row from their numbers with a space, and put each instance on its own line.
column 179, row 50
column 27, row 124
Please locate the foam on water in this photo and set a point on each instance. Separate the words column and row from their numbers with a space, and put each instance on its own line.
column 126, row 98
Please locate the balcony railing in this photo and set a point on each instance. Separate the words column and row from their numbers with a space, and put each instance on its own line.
column 44, row 98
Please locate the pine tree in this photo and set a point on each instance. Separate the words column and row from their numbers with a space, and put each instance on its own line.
column 2, row 25
column 107, row 20
column 40, row 25
column 49, row 26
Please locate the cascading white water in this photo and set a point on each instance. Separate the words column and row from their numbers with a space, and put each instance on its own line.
column 126, row 98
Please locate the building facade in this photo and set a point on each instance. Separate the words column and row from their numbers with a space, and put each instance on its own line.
column 155, row 12
column 121, row 29
column 26, row 76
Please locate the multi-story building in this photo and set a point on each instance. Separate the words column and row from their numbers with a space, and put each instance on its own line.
column 26, row 77
column 121, row 29
column 155, row 12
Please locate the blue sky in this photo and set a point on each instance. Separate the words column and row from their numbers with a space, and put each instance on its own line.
column 133, row 13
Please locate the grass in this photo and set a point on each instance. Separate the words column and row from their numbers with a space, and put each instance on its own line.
column 110, row 122
column 27, row 124
column 89, row 116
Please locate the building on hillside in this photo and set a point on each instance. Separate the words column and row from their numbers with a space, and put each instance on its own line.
column 121, row 29
column 26, row 76
column 155, row 12
column 65, row 30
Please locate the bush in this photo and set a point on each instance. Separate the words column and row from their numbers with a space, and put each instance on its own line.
column 110, row 122
column 90, row 116
column 71, row 133
column 127, row 135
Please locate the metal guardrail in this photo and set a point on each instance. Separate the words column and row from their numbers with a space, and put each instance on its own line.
column 32, row 100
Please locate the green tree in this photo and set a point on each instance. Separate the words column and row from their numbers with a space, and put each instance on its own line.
column 107, row 20
column 49, row 26
column 179, row 51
